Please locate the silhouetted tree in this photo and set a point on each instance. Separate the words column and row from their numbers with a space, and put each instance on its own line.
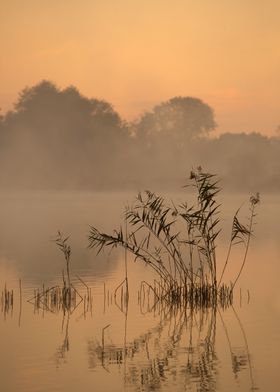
column 179, row 120
column 46, row 108
column 58, row 135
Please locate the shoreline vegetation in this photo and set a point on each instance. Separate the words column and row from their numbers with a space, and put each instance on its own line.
column 179, row 244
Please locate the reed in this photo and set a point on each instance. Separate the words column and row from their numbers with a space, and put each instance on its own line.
column 179, row 242
column 63, row 245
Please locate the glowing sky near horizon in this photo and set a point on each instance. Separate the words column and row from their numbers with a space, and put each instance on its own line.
column 137, row 53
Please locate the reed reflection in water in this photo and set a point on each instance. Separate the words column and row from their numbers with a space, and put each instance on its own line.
column 179, row 352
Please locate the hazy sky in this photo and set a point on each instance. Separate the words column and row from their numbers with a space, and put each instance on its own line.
column 136, row 53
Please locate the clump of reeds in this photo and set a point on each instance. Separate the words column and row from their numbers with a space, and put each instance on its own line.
column 7, row 300
column 179, row 242
column 56, row 298
column 65, row 297
column 198, row 295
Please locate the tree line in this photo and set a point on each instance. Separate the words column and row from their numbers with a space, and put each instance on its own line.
column 59, row 139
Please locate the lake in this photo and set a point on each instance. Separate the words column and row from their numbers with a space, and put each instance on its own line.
column 100, row 344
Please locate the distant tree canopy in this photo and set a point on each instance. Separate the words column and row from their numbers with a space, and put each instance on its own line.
column 64, row 120
column 45, row 105
column 179, row 119
column 52, row 131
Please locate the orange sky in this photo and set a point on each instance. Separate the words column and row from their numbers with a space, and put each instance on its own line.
column 136, row 53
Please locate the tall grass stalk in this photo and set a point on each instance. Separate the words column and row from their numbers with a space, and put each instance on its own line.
column 63, row 245
column 254, row 200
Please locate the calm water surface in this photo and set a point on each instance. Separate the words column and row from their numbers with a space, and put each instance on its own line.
column 102, row 346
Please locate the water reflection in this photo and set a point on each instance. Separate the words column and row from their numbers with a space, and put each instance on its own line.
column 179, row 351
column 180, row 348
column 65, row 346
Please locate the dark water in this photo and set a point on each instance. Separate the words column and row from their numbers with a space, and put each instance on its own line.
column 102, row 346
